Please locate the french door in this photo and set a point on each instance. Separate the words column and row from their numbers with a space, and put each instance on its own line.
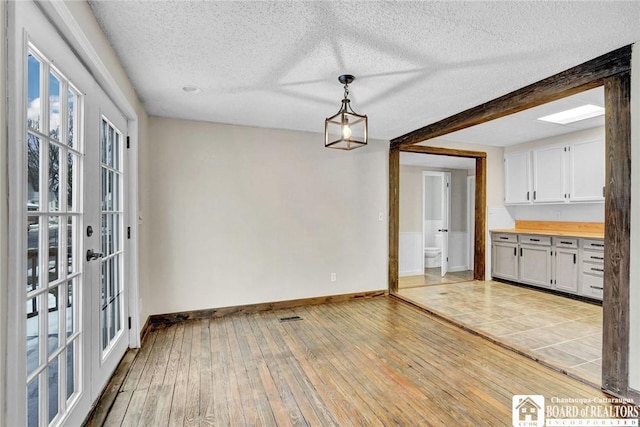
column 67, row 225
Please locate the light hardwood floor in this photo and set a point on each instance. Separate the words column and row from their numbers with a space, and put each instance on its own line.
column 366, row 362
column 562, row 332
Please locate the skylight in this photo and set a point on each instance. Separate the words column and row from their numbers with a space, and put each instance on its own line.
column 574, row 115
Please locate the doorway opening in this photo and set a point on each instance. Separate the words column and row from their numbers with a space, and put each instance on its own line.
column 437, row 220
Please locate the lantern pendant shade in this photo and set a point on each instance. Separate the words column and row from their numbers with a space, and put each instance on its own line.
column 346, row 129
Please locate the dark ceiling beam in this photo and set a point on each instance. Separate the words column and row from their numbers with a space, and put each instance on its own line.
column 574, row 80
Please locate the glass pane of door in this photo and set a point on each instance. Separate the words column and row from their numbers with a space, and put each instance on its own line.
column 53, row 276
column 112, row 217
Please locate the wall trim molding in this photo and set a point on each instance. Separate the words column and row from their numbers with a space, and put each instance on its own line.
column 161, row 320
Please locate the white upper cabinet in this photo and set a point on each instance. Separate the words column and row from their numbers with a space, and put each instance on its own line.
column 549, row 173
column 517, row 177
column 587, row 164
column 566, row 173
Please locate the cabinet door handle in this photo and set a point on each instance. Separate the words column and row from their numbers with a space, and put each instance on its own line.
column 597, row 257
column 534, row 240
column 504, row 238
column 601, row 270
column 527, row 195
column 534, row 195
column 598, row 245
column 566, row 243
column 574, row 258
column 520, row 251
column 597, row 287
column 515, row 252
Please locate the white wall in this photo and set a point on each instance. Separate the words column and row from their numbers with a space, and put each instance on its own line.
column 242, row 215
column 4, row 213
column 634, row 279
column 581, row 212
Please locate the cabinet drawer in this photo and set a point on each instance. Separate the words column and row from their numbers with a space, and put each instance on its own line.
column 593, row 269
column 504, row 237
column 592, row 286
column 562, row 242
column 593, row 244
column 535, row 240
column 593, row 257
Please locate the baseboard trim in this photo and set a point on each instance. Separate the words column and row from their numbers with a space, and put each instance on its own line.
column 161, row 320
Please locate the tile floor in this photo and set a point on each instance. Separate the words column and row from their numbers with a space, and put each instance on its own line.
column 558, row 331
column 432, row 276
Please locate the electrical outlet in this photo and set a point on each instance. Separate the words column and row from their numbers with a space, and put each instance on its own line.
column 334, row 277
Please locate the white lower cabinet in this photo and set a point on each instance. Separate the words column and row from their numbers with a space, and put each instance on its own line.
column 568, row 265
column 504, row 253
column 535, row 265
column 592, row 270
column 592, row 286
column 566, row 268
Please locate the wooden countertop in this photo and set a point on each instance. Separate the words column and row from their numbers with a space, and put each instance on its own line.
column 587, row 230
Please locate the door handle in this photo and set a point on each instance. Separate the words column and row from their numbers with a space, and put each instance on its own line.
column 93, row 255
column 444, row 230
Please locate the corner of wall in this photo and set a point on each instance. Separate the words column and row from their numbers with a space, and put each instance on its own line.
column 634, row 268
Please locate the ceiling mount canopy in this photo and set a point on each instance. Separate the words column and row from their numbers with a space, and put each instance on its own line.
column 346, row 129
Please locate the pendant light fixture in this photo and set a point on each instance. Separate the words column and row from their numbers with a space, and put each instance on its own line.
column 345, row 130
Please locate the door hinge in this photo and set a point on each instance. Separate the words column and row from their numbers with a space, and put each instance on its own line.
column 129, row 322
column 128, row 232
column 128, row 142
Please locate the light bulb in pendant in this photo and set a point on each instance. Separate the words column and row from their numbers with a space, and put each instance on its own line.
column 346, row 132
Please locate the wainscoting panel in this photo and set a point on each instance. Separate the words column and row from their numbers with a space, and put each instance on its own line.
column 411, row 253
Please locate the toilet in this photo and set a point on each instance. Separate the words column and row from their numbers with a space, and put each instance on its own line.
column 432, row 254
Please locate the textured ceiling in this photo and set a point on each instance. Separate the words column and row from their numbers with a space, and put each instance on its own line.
column 275, row 64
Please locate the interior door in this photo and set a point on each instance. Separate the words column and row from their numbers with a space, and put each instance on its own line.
column 446, row 220
column 68, row 309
